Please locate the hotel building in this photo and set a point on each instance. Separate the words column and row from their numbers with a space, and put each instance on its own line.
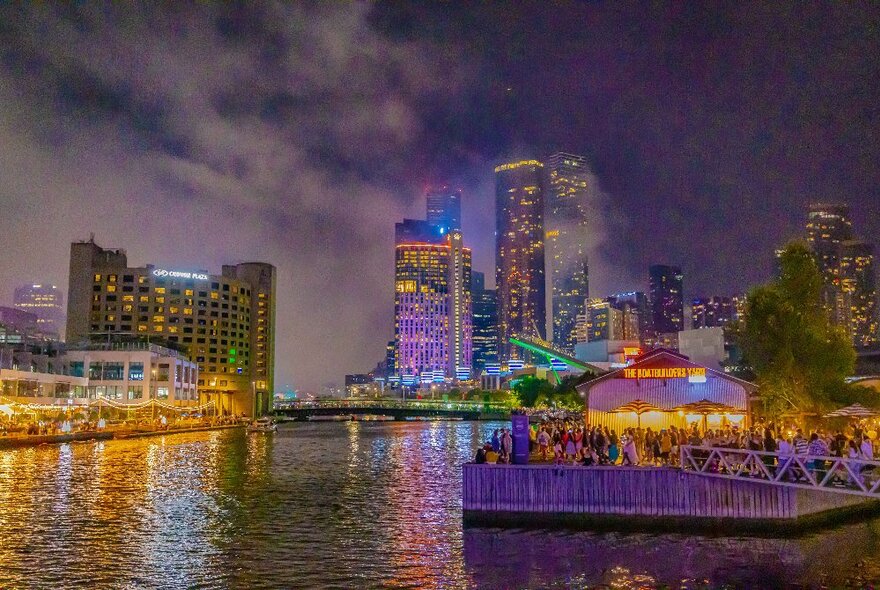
column 224, row 322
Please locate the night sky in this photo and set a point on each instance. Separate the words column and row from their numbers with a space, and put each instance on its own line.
column 194, row 136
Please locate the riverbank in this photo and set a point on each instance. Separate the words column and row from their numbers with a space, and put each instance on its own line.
column 17, row 442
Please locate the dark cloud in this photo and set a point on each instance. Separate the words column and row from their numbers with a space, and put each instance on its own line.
column 298, row 133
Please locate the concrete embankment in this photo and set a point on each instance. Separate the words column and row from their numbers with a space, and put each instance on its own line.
column 645, row 498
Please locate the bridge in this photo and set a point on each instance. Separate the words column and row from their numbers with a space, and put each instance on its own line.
column 838, row 475
column 395, row 408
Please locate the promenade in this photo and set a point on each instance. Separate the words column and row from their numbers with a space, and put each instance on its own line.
column 16, row 441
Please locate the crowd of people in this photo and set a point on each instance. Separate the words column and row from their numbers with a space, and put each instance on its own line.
column 571, row 441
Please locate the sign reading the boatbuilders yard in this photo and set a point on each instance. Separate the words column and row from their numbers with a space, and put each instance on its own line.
column 664, row 373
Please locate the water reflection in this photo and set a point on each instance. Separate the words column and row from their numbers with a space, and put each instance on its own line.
column 348, row 505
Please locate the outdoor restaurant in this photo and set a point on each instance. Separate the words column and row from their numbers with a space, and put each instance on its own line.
column 663, row 388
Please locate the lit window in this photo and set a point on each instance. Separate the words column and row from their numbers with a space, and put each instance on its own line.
column 97, row 278
column 111, row 288
column 160, row 290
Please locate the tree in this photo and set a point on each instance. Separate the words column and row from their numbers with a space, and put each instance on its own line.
column 799, row 358
column 531, row 391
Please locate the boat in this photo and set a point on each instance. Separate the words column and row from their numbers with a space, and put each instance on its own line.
column 262, row 425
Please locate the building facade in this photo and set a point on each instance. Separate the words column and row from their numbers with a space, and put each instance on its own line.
column 47, row 303
column 485, row 318
column 712, row 312
column 667, row 300
column 225, row 322
column 519, row 252
column 848, row 269
column 567, row 216
column 432, row 304
column 636, row 308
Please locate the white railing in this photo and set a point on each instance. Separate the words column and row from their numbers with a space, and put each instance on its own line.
column 860, row 477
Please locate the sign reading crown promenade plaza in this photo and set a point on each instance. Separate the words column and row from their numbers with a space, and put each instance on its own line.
column 664, row 373
column 179, row 274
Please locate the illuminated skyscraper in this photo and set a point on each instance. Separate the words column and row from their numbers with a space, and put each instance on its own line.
column 858, row 292
column 519, row 251
column 636, row 307
column 485, row 306
column 667, row 301
column 567, row 215
column 432, row 303
column 444, row 208
column 47, row 303
column 847, row 265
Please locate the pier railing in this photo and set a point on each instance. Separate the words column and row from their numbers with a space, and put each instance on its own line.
column 859, row 477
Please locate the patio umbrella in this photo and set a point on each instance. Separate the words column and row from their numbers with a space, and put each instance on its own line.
column 706, row 407
column 638, row 407
column 853, row 411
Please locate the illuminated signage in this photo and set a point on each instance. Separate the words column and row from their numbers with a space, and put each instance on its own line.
column 627, row 351
column 665, row 373
column 178, row 274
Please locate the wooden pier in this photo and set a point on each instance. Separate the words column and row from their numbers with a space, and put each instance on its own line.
column 644, row 497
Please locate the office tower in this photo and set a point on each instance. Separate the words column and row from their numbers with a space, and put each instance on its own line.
column 712, row 312
column 739, row 306
column 828, row 225
column 667, row 302
column 519, row 252
column 858, row 292
column 567, row 213
column 47, row 303
column 635, row 304
column 225, row 322
column 485, row 313
column 432, row 304
column 444, row 208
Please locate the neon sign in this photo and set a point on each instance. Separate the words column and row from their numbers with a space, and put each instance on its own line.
column 665, row 373
column 178, row 274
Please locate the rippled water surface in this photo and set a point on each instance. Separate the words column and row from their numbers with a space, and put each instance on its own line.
column 343, row 505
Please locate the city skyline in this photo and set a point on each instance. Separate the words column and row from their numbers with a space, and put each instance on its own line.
column 174, row 166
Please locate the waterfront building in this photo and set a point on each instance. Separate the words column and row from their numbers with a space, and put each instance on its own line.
column 444, row 208
column 667, row 300
column 46, row 302
column 567, row 216
column 519, row 252
column 712, row 312
column 485, row 319
column 225, row 322
column 134, row 372
column 432, row 304
column 666, row 380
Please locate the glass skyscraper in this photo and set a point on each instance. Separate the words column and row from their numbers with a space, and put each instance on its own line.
column 567, row 216
column 519, row 251
column 444, row 208
column 485, row 313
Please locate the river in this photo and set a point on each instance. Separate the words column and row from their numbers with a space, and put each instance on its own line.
column 343, row 505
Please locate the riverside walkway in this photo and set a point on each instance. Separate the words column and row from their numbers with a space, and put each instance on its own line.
column 718, row 489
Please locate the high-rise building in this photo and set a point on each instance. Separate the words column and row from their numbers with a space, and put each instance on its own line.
column 410, row 231
column 712, row 312
column 858, row 292
column 567, row 210
column 635, row 304
column 485, row 312
column 667, row 301
column 847, row 265
column 519, row 252
column 605, row 322
column 432, row 303
column 47, row 303
column 444, row 208
column 225, row 322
